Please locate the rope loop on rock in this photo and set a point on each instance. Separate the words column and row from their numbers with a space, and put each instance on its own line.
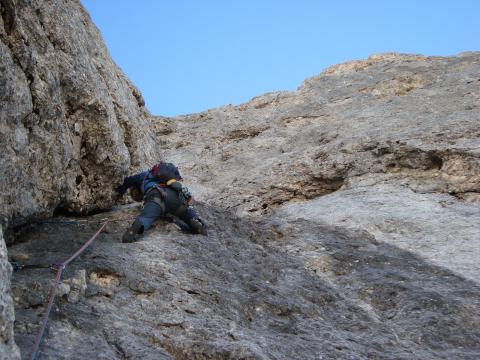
column 59, row 267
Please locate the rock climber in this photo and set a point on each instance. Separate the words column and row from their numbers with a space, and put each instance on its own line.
column 164, row 196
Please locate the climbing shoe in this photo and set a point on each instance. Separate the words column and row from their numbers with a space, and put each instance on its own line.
column 198, row 226
column 131, row 235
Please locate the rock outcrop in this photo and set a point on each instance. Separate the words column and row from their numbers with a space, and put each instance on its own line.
column 71, row 124
column 389, row 145
column 278, row 287
column 8, row 348
column 342, row 216
column 342, row 225
column 405, row 120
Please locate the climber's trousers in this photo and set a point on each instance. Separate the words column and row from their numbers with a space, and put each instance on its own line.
column 152, row 211
column 157, row 206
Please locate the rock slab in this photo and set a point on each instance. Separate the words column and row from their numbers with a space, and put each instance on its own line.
column 342, row 215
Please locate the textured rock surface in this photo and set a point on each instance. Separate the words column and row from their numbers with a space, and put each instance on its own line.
column 343, row 216
column 8, row 348
column 407, row 120
column 71, row 122
column 276, row 288
column 436, row 227
column 343, row 224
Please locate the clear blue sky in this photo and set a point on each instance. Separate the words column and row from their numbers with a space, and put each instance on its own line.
column 188, row 56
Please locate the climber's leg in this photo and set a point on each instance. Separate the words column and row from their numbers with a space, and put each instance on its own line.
column 195, row 224
column 153, row 209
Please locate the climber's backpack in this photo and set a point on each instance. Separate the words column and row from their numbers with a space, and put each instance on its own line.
column 163, row 171
column 163, row 174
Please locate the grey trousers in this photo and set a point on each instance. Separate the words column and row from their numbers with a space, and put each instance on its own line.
column 158, row 206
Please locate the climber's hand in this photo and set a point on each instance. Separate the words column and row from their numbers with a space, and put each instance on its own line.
column 121, row 190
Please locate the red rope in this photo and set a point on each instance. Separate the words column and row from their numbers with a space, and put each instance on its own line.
column 53, row 289
column 82, row 249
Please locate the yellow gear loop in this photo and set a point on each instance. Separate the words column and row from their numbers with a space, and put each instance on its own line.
column 171, row 181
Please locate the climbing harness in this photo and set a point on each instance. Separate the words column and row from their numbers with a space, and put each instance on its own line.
column 53, row 288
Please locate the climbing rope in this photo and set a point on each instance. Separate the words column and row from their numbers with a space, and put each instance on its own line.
column 61, row 221
column 53, row 288
column 77, row 221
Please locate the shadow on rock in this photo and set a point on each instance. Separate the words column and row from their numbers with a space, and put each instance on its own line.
column 252, row 289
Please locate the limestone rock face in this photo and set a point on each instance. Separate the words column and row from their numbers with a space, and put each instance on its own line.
column 406, row 120
column 8, row 348
column 342, row 221
column 71, row 123
column 278, row 287
column 342, row 224
column 342, row 216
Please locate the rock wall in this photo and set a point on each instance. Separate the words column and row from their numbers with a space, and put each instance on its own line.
column 341, row 214
column 285, row 286
column 71, row 123
column 342, row 224
column 407, row 120
column 8, row 349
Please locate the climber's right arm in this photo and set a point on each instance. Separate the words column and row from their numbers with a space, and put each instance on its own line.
column 131, row 181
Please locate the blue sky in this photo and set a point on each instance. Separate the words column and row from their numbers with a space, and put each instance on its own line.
column 189, row 56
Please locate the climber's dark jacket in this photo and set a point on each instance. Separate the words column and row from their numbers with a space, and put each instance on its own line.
column 163, row 195
column 144, row 181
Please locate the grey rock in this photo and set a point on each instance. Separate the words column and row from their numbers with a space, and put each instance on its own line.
column 8, row 348
column 283, row 287
column 72, row 124
column 342, row 216
column 73, row 288
column 399, row 119
column 436, row 227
